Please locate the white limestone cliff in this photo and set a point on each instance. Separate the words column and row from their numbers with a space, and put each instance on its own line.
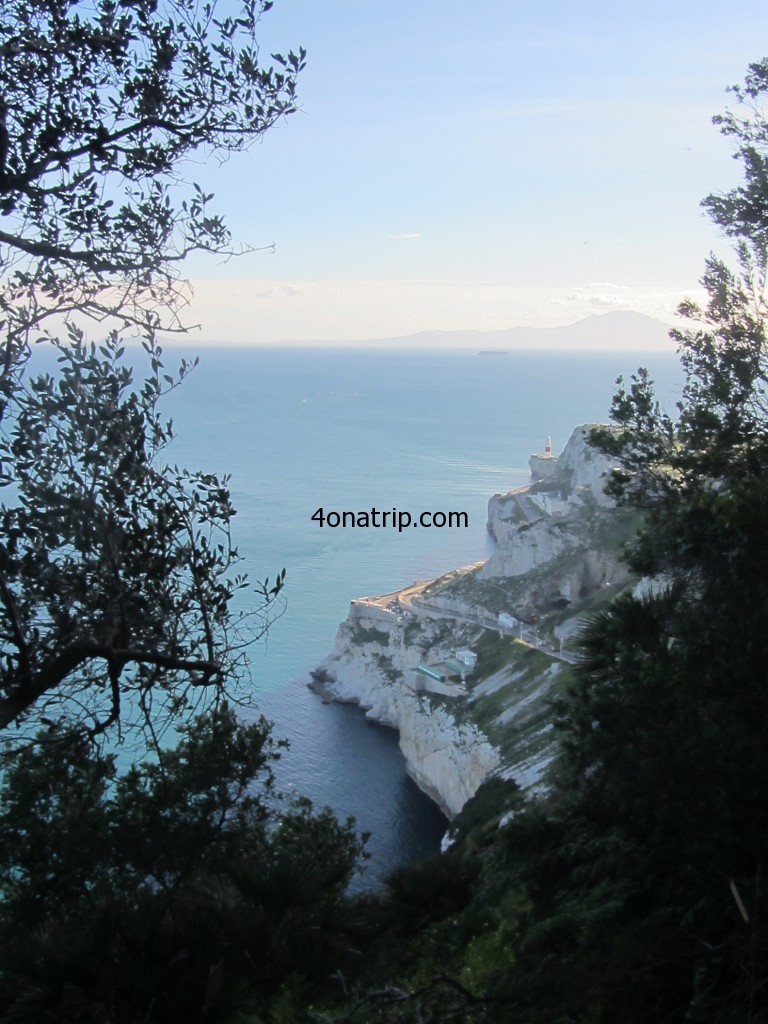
column 447, row 759
column 557, row 542
column 586, row 467
column 553, row 527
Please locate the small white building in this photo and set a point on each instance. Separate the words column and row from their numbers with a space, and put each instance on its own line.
column 468, row 658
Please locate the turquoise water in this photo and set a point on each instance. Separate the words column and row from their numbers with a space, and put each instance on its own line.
column 300, row 429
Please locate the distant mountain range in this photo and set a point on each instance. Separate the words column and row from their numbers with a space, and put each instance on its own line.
column 610, row 330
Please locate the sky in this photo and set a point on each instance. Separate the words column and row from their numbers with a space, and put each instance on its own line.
column 478, row 165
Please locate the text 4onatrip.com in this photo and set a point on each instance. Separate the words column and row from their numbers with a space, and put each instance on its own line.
column 391, row 518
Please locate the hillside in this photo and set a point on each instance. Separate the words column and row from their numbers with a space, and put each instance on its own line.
column 604, row 331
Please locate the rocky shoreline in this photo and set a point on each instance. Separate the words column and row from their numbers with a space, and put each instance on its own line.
column 446, row 758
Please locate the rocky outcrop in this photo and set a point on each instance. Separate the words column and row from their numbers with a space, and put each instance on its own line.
column 554, row 532
column 543, row 465
column 582, row 470
column 524, row 546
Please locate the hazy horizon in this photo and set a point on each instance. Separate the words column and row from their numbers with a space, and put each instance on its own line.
column 593, row 333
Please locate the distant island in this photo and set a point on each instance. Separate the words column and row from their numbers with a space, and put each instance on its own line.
column 493, row 352
column 603, row 331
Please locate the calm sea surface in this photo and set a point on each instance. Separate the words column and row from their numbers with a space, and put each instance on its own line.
column 348, row 430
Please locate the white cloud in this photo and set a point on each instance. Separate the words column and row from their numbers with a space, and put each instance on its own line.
column 405, row 236
column 285, row 291
column 606, row 296
column 603, row 294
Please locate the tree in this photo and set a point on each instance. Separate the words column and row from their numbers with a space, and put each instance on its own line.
column 718, row 441
column 657, row 894
column 175, row 890
column 180, row 887
column 101, row 105
column 635, row 889
column 117, row 571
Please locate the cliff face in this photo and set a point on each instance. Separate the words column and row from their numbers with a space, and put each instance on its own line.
column 373, row 664
column 562, row 526
column 577, row 481
column 557, row 554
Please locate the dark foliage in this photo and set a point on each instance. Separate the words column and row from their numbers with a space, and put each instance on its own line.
column 645, row 881
column 178, row 890
column 117, row 571
column 181, row 889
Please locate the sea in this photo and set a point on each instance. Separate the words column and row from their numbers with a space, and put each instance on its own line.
column 351, row 430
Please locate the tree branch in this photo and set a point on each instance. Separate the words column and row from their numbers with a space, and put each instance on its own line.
column 18, row 635
column 47, row 251
column 56, row 671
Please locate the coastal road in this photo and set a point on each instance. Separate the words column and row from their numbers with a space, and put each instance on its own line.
column 409, row 601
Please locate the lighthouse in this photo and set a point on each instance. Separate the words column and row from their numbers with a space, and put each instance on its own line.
column 544, row 464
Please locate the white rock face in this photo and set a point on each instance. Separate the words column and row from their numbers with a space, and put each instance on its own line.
column 518, row 551
column 587, row 466
column 447, row 760
column 553, row 530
